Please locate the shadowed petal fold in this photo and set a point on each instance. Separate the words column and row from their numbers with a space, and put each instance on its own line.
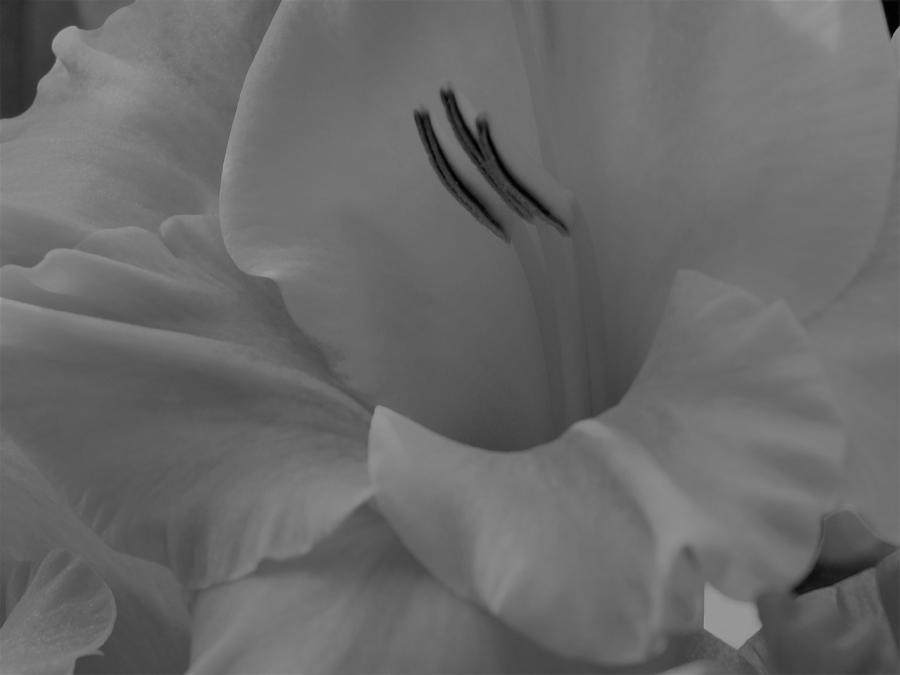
column 717, row 466
column 850, row 627
column 175, row 404
column 130, row 125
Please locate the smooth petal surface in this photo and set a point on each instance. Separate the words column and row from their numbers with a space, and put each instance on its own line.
column 717, row 466
column 130, row 125
column 327, row 189
column 360, row 603
column 752, row 141
column 65, row 612
column 857, row 337
column 175, row 404
column 92, row 13
column 151, row 628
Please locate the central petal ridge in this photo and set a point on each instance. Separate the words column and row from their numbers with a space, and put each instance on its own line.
column 514, row 199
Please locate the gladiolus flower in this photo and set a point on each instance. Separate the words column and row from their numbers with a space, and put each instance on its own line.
column 287, row 278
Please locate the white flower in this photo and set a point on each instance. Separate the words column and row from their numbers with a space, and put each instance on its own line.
column 220, row 424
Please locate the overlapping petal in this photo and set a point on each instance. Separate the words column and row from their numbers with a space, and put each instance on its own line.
column 174, row 402
column 361, row 603
column 718, row 465
column 422, row 305
column 752, row 141
column 857, row 336
column 131, row 124
column 92, row 13
column 151, row 622
column 64, row 611
column 850, row 627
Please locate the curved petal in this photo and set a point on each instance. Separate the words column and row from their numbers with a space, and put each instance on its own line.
column 361, row 603
column 92, row 13
column 65, row 612
column 175, row 404
column 752, row 141
column 130, row 125
column 717, row 466
column 151, row 629
column 857, row 337
column 848, row 545
column 328, row 190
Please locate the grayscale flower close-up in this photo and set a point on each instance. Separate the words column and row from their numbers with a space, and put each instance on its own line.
column 450, row 336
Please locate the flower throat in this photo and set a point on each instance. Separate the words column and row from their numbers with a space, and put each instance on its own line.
column 541, row 220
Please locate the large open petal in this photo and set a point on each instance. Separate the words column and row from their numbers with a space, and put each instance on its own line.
column 858, row 339
column 175, row 403
column 753, row 141
column 361, row 603
column 130, row 125
column 64, row 612
column 717, row 466
column 151, row 629
column 328, row 190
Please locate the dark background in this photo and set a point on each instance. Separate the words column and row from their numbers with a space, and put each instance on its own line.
column 28, row 26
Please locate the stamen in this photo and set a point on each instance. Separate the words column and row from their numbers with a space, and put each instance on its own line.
column 470, row 146
column 483, row 154
column 508, row 182
column 548, row 261
column 450, row 179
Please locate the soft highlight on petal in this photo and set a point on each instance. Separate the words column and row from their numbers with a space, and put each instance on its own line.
column 752, row 141
column 327, row 189
column 175, row 404
column 717, row 466
column 130, row 125
column 65, row 612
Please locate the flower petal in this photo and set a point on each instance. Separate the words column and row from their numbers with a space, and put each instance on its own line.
column 753, row 141
column 151, row 631
column 327, row 190
column 718, row 465
column 857, row 337
column 361, row 603
column 175, row 404
column 92, row 13
column 130, row 125
column 844, row 628
column 848, row 544
column 66, row 612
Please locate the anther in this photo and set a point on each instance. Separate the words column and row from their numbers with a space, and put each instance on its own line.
column 510, row 188
column 483, row 153
column 470, row 146
column 450, row 179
